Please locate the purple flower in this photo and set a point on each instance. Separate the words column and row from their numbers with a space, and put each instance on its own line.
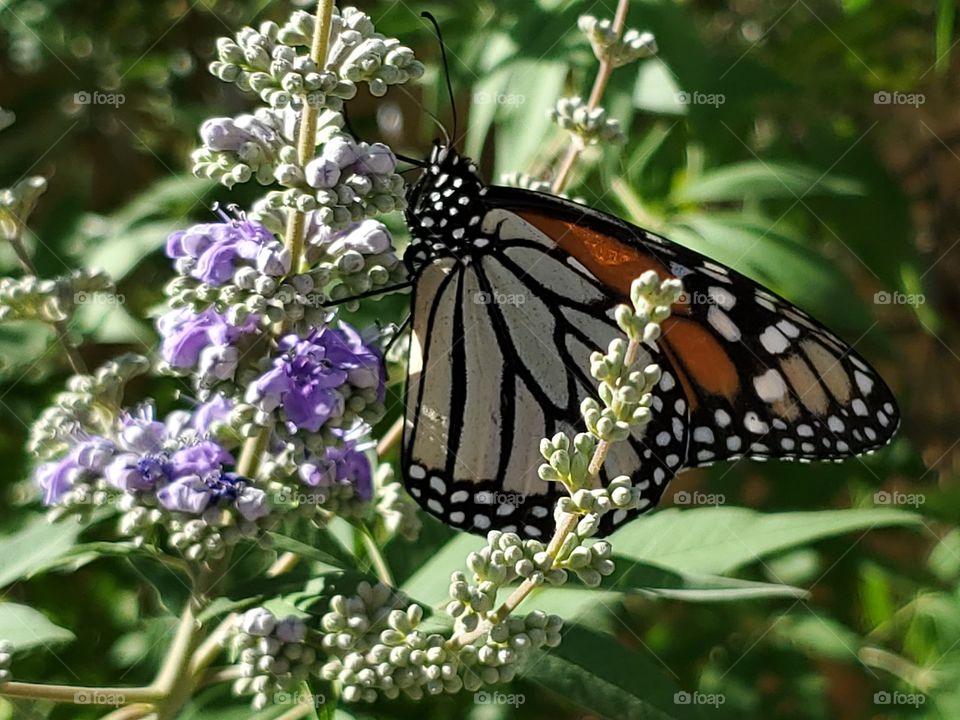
column 345, row 465
column 56, row 478
column 141, row 433
column 93, row 453
column 305, row 377
column 367, row 237
column 216, row 409
column 303, row 381
column 200, row 459
column 193, row 494
column 188, row 495
column 215, row 248
column 131, row 472
column 252, row 503
column 352, row 466
column 186, row 334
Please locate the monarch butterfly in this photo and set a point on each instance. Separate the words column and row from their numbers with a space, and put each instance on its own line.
column 513, row 290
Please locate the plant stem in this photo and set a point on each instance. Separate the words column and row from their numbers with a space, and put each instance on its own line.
column 596, row 95
column 376, row 557
column 390, row 438
column 80, row 695
column 307, row 138
column 564, row 528
column 254, row 447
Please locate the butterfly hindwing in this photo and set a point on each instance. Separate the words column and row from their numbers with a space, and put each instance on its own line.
column 497, row 364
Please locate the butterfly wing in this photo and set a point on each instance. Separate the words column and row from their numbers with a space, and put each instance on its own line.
column 761, row 376
column 501, row 340
column 497, row 362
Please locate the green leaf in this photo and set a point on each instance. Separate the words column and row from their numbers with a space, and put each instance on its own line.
column 723, row 539
column 757, row 179
column 79, row 555
column 120, row 241
column 330, row 551
column 34, row 546
column 431, row 583
column 600, row 675
column 24, row 628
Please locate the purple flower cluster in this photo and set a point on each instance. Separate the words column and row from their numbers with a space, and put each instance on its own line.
column 204, row 340
column 346, row 465
column 211, row 252
column 186, row 473
column 309, row 377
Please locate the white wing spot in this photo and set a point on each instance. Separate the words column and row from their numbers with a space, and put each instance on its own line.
column 835, row 424
column 722, row 323
column 457, row 517
column 667, row 382
column 703, row 434
column 733, row 443
column 770, row 386
column 859, row 407
column 481, row 521
column 774, row 341
column 417, row 472
column 788, row 328
column 437, row 484
column 864, row 382
column 753, row 423
column 722, row 418
column 722, row 297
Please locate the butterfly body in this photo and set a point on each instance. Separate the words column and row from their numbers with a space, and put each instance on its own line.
column 513, row 290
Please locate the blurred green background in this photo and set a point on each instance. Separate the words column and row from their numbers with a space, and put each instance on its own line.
column 814, row 145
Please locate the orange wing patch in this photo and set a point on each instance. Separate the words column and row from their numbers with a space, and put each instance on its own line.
column 611, row 261
column 616, row 264
column 701, row 356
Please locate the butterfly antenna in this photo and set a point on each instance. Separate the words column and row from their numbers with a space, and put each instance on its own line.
column 446, row 69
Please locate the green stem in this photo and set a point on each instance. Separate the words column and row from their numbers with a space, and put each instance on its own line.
column 80, row 695
column 376, row 557
column 596, row 95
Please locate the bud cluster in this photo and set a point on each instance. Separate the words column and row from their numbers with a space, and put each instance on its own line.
column 274, row 655
column 611, row 48
column 588, row 126
column 90, row 403
column 53, row 300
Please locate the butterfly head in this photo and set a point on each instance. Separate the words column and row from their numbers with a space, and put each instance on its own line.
column 445, row 206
